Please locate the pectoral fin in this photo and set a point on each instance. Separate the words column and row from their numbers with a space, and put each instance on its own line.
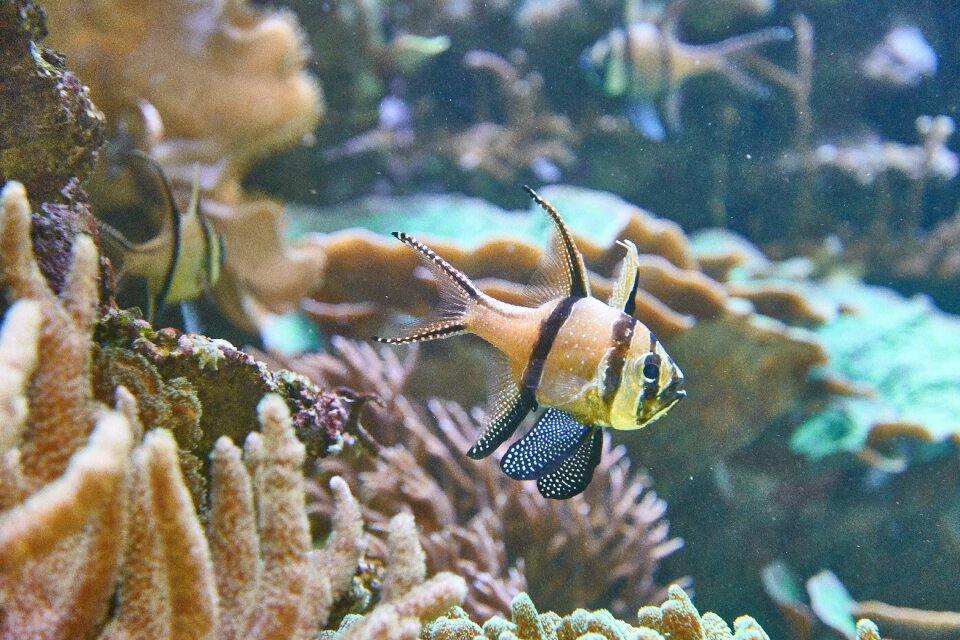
column 575, row 473
column 545, row 447
column 624, row 291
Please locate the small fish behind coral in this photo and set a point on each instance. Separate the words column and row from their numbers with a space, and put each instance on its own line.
column 592, row 365
column 178, row 265
column 645, row 62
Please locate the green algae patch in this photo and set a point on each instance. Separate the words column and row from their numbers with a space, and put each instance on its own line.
column 905, row 351
column 596, row 216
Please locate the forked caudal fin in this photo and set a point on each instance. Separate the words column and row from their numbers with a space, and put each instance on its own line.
column 457, row 296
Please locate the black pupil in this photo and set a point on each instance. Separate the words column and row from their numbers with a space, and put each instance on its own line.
column 651, row 371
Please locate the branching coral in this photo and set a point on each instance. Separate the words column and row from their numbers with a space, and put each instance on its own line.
column 83, row 507
column 676, row 619
column 478, row 522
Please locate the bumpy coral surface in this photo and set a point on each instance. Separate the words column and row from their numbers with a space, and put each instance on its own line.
column 49, row 129
column 182, row 72
column 99, row 532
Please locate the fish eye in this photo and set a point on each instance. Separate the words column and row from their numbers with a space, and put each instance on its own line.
column 651, row 371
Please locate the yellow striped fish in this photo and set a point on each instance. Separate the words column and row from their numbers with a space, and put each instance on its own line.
column 592, row 365
column 182, row 262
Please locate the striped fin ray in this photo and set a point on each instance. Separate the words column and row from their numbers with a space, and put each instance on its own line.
column 457, row 295
column 575, row 473
column 544, row 448
column 561, row 271
column 507, row 416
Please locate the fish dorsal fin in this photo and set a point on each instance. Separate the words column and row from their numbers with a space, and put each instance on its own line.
column 554, row 437
column 561, row 272
column 624, row 293
column 576, row 471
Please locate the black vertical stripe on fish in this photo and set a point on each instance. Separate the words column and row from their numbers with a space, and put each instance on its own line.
column 456, row 276
column 504, row 422
column 579, row 286
column 175, row 216
column 631, row 304
column 548, row 334
column 545, row 447
column 575, row 473
column 620, row 337
column 208, row 240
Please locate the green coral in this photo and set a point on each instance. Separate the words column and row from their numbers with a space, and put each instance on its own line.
column 596, row 216
column 905, row 350
column 49, row 129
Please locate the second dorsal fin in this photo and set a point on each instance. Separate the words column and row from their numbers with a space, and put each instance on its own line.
column 561, row 272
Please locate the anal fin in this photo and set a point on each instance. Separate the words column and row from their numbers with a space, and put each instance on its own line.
column 545, row 447
column 575, row 473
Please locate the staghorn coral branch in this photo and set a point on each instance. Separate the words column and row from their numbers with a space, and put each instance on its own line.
column 60, row 395
column 18, row 356
column 189, row 580
column 33, row 528
column 284, row 530
column 406, row 602
column 409, row 567
column 232, row 531
column 347, row 540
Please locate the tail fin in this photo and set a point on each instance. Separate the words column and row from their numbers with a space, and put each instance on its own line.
column 732, row 51
column 457, row 297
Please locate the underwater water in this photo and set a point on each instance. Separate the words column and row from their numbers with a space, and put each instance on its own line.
column 665, row 293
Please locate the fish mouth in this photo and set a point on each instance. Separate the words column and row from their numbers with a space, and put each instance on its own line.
column 672, row 394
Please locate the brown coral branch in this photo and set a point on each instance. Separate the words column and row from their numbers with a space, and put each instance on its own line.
column 33, row 528
column 60, row 396
column 234, row 546
column 18, row 356
column 283, row 526
column 188, row 569
column 917, row 620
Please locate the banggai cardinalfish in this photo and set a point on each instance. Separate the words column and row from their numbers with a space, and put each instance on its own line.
column 592, row 365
